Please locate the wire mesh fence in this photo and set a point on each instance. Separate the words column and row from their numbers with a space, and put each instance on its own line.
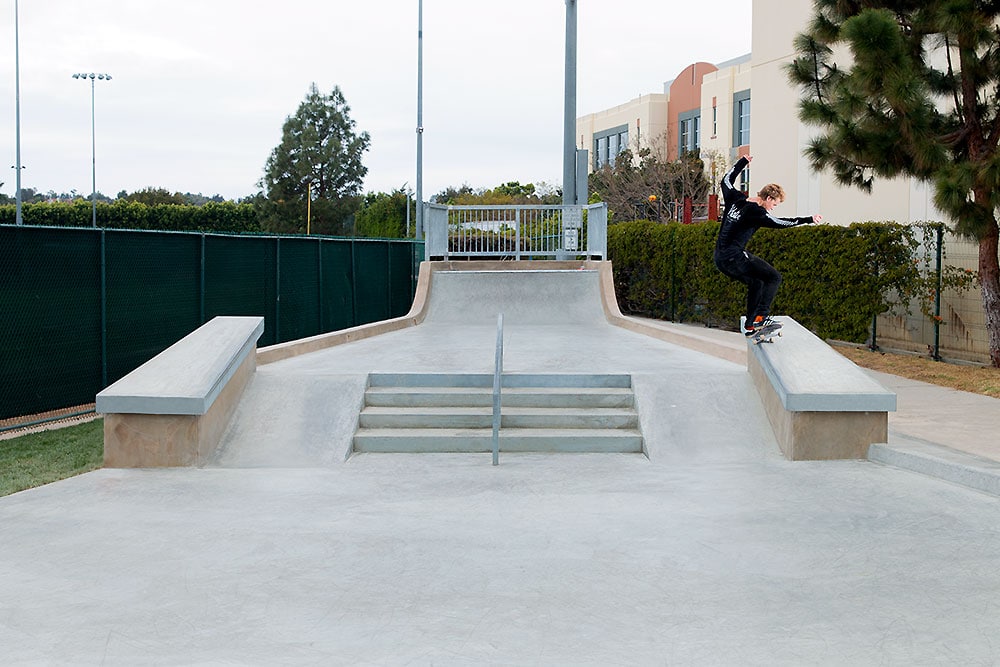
column 81, row 308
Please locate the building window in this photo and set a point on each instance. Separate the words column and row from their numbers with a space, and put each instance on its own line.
column 741, row 118
column 689, row 132
column 608, row 144
column 715, row 120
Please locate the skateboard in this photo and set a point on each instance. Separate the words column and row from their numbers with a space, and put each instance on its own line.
column 766, row 335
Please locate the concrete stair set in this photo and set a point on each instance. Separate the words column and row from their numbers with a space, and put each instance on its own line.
column 453, row 412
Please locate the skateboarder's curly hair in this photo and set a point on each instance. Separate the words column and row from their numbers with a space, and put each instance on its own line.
column 772, row 191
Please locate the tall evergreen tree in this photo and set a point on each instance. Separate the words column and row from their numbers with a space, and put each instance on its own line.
column 319, row 157
column 912, row 87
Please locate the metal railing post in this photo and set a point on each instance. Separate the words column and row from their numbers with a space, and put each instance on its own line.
column 497, row 375
column 937, row 293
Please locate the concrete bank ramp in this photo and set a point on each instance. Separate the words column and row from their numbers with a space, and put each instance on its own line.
column 524, row 297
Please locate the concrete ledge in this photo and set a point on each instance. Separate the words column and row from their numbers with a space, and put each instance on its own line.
column 186, row 378
column 940, row 462
column 172, row 410
column 820, row 404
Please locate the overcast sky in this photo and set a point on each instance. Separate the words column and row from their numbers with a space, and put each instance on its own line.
column 201, row 88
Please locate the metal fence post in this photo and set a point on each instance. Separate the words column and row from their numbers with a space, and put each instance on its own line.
column 104, row 310
column 937, row 294
column 354, row 287
column 277, row 290
column 202, row 282
column 319, row 278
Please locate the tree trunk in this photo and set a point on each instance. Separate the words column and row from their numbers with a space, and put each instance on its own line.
column 989, row 279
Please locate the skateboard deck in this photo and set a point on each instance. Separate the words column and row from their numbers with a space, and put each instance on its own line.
column 766, row 335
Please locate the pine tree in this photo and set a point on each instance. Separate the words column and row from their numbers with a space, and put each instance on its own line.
column 912, row 88
column 319, row 157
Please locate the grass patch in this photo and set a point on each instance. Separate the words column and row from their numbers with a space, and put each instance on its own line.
column 983, row 380
column 48, row 456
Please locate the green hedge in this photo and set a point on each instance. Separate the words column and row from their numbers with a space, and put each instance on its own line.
column 836, row 279
column 122, row 214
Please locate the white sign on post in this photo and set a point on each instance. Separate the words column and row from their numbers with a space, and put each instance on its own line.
column 572, row 217
column 570, row 239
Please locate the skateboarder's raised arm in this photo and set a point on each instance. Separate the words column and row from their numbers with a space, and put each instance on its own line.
column 729, row 189
column 776, row 222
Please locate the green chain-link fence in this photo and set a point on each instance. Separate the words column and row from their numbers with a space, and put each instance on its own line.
column 81, row 308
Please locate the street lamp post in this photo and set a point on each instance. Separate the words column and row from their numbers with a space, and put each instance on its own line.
column 93, row 139
column 18, row 219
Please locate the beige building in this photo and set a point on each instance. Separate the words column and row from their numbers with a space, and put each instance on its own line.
column 638, row 122
column 708, row 107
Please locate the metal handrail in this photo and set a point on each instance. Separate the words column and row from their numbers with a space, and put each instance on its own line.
column 497, row 373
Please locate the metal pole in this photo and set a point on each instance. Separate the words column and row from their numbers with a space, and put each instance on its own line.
column 419, row 232
column 93, row 139
column 17, row 116
column 93, row 156
column 937, row 295
column 569, row 116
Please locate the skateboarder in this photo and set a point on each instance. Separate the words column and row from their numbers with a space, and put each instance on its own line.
column 741, row 217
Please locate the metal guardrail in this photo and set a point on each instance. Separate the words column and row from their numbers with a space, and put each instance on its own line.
column 516, row 232
column 497, row 382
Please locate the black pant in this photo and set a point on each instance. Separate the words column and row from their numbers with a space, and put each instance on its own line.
column 762, row 281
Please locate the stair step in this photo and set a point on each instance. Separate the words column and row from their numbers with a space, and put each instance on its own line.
column 511, row 417
column 594, row 397
column 453, row 412
column 607, row 380
column 456, row 440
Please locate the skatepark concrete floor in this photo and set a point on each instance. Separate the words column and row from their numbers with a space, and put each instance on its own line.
column 711, row 549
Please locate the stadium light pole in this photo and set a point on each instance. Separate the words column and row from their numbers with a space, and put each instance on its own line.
column 17, row 119
column 93, row 78
column 419, row 230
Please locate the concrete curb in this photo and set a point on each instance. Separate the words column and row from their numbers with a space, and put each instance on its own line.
column 939, row 462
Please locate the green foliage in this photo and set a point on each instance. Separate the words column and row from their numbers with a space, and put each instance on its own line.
column 319, row 158
column 835, row 278
column 40, row 458
column 507, row 194
column 123, row 214
column 151, row 196
column 383, row 215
